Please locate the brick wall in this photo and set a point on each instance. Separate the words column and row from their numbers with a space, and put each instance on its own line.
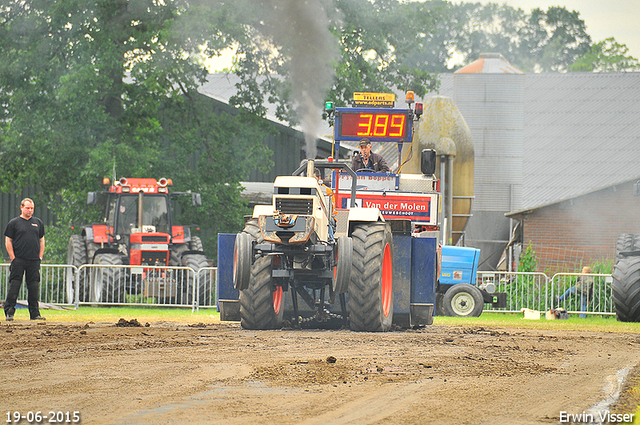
column 583, row 230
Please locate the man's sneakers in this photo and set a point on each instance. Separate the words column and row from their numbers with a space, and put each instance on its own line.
column 10, row 318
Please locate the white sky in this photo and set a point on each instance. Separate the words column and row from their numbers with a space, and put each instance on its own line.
column 603, row 18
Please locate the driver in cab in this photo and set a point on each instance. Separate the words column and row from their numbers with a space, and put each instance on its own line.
column 368, row 160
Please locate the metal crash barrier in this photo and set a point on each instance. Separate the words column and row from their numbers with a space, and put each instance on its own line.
column 539, row 292
column 53, row 279
column 93, row 284
column 97, row 284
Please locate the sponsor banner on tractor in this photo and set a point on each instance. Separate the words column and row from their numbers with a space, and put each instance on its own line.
column 369, row 181
column 415, row 207
column 373, row 99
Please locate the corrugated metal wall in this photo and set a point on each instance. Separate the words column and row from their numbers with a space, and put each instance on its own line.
column 493, row 106
column 490, row 96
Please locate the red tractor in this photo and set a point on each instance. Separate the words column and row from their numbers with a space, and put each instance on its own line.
column 138, row 230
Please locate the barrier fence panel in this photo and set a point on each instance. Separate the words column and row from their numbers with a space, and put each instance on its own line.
column 100, row 284
column 136, row 285
column 53, row 278
column 524, row 290
column 537, row 291
column 583, row 293
column 207, row 282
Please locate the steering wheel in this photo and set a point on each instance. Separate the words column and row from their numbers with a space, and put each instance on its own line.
column 365, row 169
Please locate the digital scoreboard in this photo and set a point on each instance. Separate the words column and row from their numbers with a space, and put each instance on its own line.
column 375, row 124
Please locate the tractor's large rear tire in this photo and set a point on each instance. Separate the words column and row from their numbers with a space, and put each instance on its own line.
column 196, row 244
column 76, row 256
column 371, row 287
column 262, row 303
column 108, row 282
column 252, row 227
column 196, row 262
column 626, row 242
column 626, row 289
column 344, row 264
column 463, row 300
column 92, row 248
column 243, row 254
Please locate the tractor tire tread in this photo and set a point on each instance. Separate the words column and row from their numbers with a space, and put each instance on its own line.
column 256, row 302
column 197, row 262
column 626, row 289
column 365, row 296
column 113, row 285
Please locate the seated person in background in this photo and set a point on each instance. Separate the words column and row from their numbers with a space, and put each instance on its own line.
column 368, row 159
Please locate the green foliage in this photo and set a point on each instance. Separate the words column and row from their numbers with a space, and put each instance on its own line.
column 364, row 50
column 379, row 55
column 528, row 260
column 606, row 56
column 93, row 89
column 602, row 267
column 210, row 154
column 548, row 40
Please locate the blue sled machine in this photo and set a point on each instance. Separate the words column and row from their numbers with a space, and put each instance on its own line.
column 457, row 293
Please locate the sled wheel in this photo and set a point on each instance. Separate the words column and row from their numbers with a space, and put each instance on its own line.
column 463, row 300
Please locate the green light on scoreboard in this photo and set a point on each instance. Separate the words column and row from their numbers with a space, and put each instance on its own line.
column 328, row 106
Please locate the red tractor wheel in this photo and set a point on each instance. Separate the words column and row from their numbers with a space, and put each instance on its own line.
column 371, row 285
column 261, row 304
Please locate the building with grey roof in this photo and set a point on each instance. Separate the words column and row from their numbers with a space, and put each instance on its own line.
column 580, row 142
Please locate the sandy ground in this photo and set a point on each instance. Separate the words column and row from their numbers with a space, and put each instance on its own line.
column 219, row 373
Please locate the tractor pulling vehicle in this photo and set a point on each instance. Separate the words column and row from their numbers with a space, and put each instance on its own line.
column 363, row 274
column 138, row 230
column 379, row 269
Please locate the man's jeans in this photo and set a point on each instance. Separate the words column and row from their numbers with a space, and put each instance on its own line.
column 30, row 269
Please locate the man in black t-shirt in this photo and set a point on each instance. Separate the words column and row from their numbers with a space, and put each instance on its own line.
column 24, row 240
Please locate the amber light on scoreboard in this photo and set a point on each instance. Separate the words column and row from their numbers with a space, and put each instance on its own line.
column 373, row 124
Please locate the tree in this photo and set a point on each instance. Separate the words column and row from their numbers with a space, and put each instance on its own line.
column 528, row 260
column 361, row 48
column 542, row 41
column 103, row 87
column 378, row 54
column 606, row 56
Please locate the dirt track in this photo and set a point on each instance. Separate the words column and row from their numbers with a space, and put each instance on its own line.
column 218, row 373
